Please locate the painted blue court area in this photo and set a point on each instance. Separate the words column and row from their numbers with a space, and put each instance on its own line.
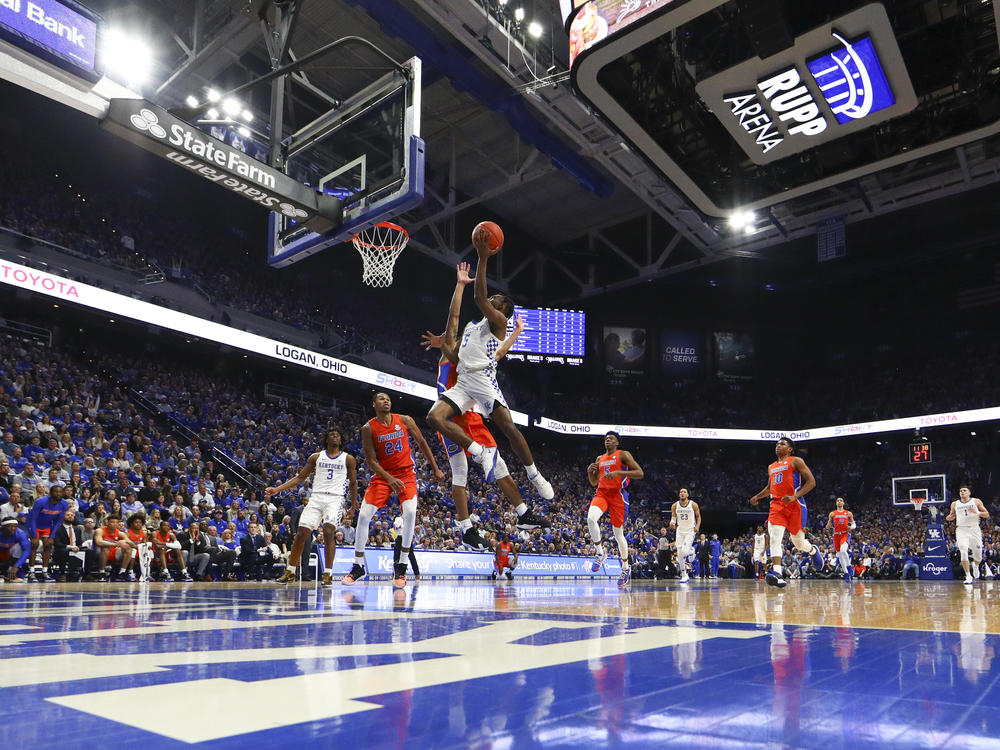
column 513, row 665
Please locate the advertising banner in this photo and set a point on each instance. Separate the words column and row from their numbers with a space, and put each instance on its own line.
column 734, row 356
column 51, row 27
column 624, row 350
column 935, row 565
column 441, row 562
column 682, row 353
column 159, row 132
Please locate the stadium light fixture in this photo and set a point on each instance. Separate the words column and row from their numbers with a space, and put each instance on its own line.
column 741, row 220
column 502, row 3
column 248, row 115
column 244, row 131
column 213, row 114
column 519, row 15
column 191, row 101
column 231, row 107
column 127, row 58
column 212, row 95
column 535, row 29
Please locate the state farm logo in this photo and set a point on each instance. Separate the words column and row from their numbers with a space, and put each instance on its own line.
column 292, row 212
column 146, row 120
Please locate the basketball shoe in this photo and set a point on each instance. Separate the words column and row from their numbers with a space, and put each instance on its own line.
column 626, row 576
column 356, row 574
column 327, row 579
column 542, row 486
column 530, row 521
column 488, row 460
column 472, row 540
column 287, row 577
column 599, row 558
column 399, row 576
column 774, row 578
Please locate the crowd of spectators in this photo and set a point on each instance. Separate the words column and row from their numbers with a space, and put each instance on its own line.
column 66, row 421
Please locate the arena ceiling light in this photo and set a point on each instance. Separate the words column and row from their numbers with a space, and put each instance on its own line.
column 191, row 101
column 519, row 15
column 742, row 221
column 535, row 29
column 248, row 115
column 213, row 95
column 127, row 58
column 232, row 107
column 212, row 114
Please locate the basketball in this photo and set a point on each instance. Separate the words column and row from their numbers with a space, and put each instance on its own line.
column 494, row 231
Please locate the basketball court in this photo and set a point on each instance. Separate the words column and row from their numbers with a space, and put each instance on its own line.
column 516, row 664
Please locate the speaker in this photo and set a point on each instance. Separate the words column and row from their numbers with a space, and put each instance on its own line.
column 765, row 24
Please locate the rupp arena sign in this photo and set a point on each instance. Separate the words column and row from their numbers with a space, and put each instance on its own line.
column 835, row 80
column 156, row 130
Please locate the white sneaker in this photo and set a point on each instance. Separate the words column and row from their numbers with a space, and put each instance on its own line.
column 543, row 486
column 684, row 578
column 968, row 580
column 975, row 572
column 488, row 460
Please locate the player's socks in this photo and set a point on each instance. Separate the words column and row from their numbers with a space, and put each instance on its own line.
column 464, row 524
column 521, row 509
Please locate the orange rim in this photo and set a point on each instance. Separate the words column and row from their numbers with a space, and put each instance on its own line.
column 358, row 240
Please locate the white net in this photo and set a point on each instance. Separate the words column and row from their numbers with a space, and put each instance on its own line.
column 379, row 247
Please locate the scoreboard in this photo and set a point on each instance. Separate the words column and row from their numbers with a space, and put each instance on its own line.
column 554, row 336
column 920, row 453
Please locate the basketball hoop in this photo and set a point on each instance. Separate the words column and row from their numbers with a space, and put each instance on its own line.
column 918, row 503
column 380, row 246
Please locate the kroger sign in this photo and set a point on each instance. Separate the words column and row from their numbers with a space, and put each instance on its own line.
column 833, row 81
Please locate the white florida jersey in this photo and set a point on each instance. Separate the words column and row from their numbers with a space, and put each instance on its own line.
column 331, row 474
column 685, row 516
column 967, row 514
column 477, row 352
column 758, row 542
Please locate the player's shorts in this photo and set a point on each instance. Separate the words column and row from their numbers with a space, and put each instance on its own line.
column 791, row 515
column 685, row 542
column 322, row 508
column 379, row 491
column 614, row 503
column 503, row 562
column 475, row 389
column 472, row 425
column 43, row 533
column 759, row 556
column 839, row 540
column 970, row 538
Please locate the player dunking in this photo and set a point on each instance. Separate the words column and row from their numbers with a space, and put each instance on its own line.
column 472, row 424
column 685, row 516
column 842, row 523
column 386, row 440
column 759, row 556
column 476, row 383
column 334, row 473
column 611, row 474
column 966, row 512
column 789, row 479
